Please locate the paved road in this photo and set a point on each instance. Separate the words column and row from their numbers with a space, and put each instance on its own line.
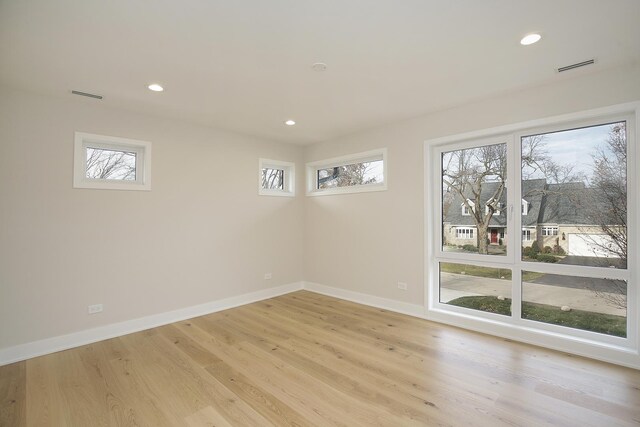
column 457, row 285
column 591, row 261
column 588, row 283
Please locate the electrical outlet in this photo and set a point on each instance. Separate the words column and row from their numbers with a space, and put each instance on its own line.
column 402, row 285
column 267, row 276
column 96, row 308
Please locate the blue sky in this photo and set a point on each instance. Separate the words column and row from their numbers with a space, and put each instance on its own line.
column 576, row 147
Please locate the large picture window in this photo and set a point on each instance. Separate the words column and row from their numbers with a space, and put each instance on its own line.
column 565, row 278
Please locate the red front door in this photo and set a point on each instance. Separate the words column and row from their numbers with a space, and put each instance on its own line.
column 494, row 236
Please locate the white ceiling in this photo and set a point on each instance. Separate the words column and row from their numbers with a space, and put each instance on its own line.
column 245, row 65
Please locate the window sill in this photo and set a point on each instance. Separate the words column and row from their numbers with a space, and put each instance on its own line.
column 349, row 190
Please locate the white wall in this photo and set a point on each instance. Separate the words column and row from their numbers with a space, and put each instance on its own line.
column 201, row 234
column 368, row 242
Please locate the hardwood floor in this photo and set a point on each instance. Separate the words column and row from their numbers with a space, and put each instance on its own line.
column 306, row 359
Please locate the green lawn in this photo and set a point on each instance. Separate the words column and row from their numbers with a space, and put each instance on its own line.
column 495, row 273
column 596, row 322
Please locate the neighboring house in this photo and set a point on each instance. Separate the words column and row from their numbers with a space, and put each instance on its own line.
column 551, row 214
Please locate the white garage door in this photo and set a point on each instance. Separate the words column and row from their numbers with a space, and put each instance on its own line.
column 590, row 245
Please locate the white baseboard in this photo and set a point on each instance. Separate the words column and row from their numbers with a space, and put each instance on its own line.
column 63, row 342
column 415, row 310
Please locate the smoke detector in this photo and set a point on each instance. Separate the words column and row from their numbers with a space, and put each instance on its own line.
column 319, row 66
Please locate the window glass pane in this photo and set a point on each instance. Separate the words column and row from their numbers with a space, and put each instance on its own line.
column 480, row 288
column 574, row 183
column 474, row 200
column 110, row 164
column 596, row 305
column 273, row 179
column 349, row 175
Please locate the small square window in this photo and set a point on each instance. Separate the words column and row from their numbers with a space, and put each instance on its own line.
column 276, row 178
column 108, row 162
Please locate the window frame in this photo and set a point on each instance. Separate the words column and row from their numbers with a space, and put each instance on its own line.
column 83, row 140
column 618, row 350
column 289, row 181
column 366, row 156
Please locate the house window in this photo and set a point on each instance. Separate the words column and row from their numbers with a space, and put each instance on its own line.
column 590, row 198
column 361, row 172
column 466, row 211
column 502, row 233
column 107, row 162
column 464, row 233
column 276, row 178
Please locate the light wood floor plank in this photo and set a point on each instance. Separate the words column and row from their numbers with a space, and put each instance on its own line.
column 13, row 402
column 322, row 393
column 306, row 359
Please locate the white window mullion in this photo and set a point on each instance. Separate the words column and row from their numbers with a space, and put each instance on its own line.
column 514, row 223
column 633, row 230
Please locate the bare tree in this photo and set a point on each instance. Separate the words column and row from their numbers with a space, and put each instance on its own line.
column 606, row 207
column 535, row 158
column 347, row 175
column 537, row 163
column 608, row 204
column 109, row 164
column 466, row 172
column 272, row 178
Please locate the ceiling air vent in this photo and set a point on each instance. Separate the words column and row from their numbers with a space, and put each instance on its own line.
column 577, row 65
column 89, row 95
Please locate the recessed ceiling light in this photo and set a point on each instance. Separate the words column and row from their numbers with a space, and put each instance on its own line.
column 290, row 122
column 155, row 87
column 530, row 39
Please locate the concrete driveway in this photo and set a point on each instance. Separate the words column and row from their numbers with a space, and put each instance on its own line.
column 457, row 285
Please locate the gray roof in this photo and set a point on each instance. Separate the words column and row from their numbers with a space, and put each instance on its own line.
column 548, row 203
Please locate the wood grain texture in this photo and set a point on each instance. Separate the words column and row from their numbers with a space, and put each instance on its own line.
column 13, row 400
column 304, row 359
